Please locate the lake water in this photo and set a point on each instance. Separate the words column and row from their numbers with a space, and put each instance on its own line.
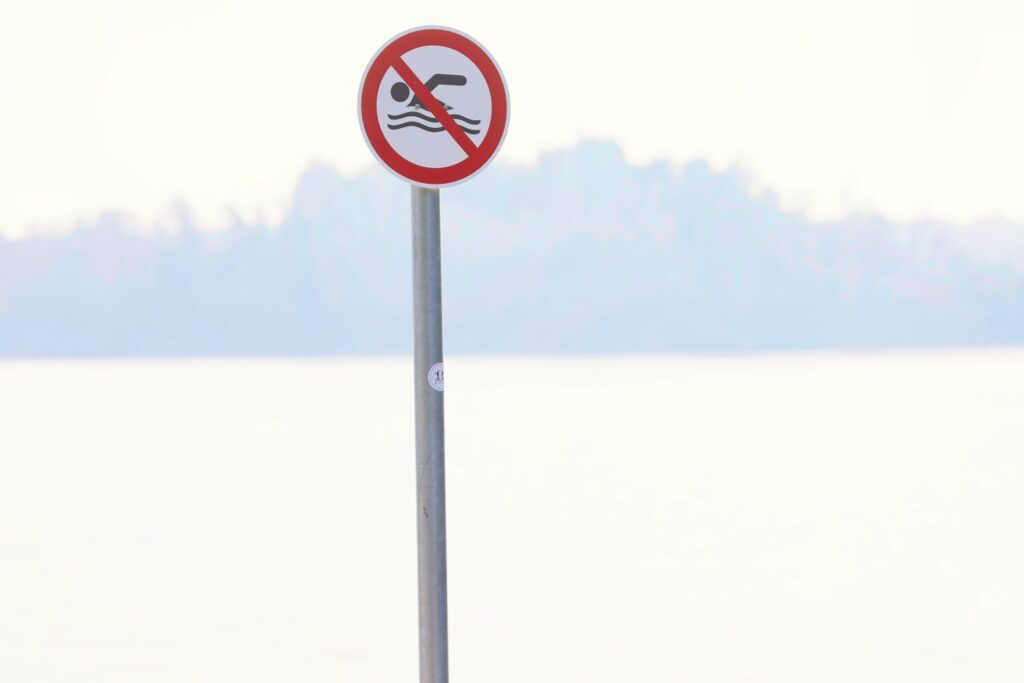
column 791, row 518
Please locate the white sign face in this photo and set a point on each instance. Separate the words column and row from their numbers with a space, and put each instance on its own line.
column 433, row 106
column 458, row 86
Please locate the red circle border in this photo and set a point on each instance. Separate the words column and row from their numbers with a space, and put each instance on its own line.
column 370, row 123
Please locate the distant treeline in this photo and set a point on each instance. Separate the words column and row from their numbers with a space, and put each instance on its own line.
column 581, row 253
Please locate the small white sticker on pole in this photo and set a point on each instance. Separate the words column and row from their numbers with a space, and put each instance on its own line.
column 433, row 106
column 436, row 376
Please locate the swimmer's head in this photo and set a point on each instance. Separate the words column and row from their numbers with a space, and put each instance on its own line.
column 399, row 92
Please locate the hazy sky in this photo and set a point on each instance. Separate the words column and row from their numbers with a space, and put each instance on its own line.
column 908, row 108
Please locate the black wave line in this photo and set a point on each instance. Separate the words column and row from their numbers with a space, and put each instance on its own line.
column 417, row 124
column 420, row 115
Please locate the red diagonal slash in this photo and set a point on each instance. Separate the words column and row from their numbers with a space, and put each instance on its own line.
column 434, row 107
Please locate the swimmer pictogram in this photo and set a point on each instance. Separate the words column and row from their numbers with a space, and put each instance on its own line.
column 400, row 93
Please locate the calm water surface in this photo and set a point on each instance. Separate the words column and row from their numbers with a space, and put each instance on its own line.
column 831, row 517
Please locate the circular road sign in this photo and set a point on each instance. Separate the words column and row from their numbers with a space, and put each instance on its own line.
column 433, row 106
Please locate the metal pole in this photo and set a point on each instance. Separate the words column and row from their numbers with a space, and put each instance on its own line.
column 430, row 513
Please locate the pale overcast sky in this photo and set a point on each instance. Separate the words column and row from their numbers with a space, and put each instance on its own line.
column 910, row 108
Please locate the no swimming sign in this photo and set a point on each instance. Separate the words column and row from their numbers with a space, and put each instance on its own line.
column 433, row 106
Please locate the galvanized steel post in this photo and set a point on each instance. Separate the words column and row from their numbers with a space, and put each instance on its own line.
column 429, row 386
